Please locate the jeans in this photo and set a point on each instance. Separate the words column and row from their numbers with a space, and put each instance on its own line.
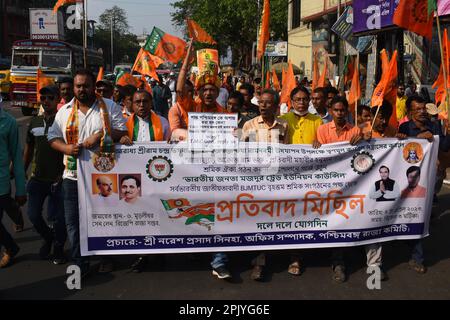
column 5, row 238
column 38, row 191
column 219, row 259
column 337, row 257
column 260, row 259
column 417, row 250
column 71, row 213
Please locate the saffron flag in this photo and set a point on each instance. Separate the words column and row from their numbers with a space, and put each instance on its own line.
column 315, row 76
column 198, row 33
column 264, row 29
column 146, row 64
column 387, row 88
column 413, row 15
column 125, row 78
column 61, row 3
column 288, row 85
column 349, row 68
column 355, row 90
column 323, row 76
column 100, row 74
column 42, row 81
column 275, row 81
column 165, row 46
column 439, row 84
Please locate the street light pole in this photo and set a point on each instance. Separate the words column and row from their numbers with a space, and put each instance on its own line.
column 85, row 33
column 112, row 42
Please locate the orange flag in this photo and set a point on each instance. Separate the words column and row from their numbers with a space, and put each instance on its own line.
column 61, row 3
column 355, row 90
column 441, row 93
column 387, row 89
column 42, row 81
column 125, row 78
column 288, row 85
column 198, row 33
column 146, row 64
column 413, row 15
column 275, row 81
column 323, row 76
column 315, row 76
column 165, row 46
column 349, row 70
column 264, row 29
column 100, row 74
column 384, row 61
column 267, row 80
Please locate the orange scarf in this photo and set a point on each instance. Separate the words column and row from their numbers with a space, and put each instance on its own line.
column 155, row 122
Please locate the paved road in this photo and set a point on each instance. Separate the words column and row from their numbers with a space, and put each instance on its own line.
column 186, row 276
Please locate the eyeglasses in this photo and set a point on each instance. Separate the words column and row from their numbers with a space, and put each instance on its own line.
column 47, row 97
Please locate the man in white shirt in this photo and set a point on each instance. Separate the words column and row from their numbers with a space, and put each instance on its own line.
column 106, row 196
column 143, row 125
column 84, row 130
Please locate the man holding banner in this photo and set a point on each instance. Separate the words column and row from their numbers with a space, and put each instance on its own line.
column 85, row 122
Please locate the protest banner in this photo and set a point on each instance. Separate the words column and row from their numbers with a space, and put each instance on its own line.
column 167, row 199
column 207, row 130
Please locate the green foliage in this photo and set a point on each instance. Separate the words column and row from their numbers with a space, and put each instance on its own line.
column 232, row 22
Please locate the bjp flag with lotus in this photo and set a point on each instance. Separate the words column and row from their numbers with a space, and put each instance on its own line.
column 165, row 46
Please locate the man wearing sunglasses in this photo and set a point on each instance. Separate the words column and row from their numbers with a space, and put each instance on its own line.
column 46, row 178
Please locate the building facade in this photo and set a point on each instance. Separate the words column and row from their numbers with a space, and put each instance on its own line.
column 309, row 32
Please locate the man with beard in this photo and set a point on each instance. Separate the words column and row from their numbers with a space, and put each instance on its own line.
column 81, row 124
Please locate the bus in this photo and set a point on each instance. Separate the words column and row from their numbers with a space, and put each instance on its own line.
column 54, row 58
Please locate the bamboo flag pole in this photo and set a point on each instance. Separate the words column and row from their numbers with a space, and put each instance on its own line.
column 443, row 61
column 357, row 98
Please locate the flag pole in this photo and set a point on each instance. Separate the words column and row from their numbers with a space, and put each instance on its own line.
column 357, row 98
column 85, row 33
column 443, row 61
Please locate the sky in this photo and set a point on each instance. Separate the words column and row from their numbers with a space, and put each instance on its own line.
column 142, row 15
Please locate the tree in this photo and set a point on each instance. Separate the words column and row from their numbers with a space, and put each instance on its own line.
column 119, row 19
column 126, row 45
column 232, row 23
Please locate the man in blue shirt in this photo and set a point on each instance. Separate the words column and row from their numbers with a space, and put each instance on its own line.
column 420, row 126
column 10, row 153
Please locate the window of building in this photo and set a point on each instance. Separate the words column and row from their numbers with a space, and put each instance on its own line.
column 295, row 23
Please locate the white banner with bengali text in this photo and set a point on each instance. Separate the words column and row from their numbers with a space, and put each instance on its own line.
column 165, row 198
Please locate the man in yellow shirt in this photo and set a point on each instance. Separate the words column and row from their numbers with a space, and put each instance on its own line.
column 401, row 102
column 302, row 125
